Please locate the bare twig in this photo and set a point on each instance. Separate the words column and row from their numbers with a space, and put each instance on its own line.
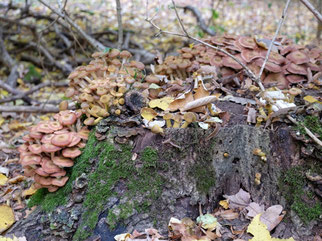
column 119, row 23
column 201, row 22
column 96, row 44
column 316, row 13
column 308, row 132
column 273, row 40
column 14, row 91
column 29, row 109
column 250, row 73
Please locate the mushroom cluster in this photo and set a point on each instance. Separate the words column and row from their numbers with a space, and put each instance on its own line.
column 288, row 63
column 50, row 147
column 100, row 87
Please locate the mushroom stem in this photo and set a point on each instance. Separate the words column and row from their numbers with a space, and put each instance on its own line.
column 169, row 125
column 185, row 124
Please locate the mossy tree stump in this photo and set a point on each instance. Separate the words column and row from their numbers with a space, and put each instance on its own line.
column 115, row 188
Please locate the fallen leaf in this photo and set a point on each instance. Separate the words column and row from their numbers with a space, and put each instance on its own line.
column 254, row 209
column 224, row 204
column 3, row 179
column 207, row 221
column 30, row 191
column 181, row 101
column 14, row 238
column 122, row 237
column 260, row 232
column 271, row 217
column 16, row 179
column 239, row 200
column 7, row 218
column 311, row 99
column 162, row 103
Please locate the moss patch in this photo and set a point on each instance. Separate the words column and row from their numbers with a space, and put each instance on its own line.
column 293, row 185
column 312, row 123
column 49, row 201
column 118, row 175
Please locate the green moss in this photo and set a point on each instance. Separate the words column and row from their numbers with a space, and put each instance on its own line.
column 312, row 123
column 49, row 201
column 115, row 167
column 293, row 187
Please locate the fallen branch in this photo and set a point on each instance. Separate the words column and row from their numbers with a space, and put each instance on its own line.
column 34, row 89
column 250, row 73
column 30, row 109
column 308, row 132
column 273, row 40
column 14, row 91
column 316, row 13
column 201, row 22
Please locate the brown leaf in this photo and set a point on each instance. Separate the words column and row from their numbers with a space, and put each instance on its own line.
column 239, row 200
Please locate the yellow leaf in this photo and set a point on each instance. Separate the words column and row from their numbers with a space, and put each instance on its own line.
column 191, row 45
column 4, row 92
column 14, row 238
column 20, row 81
column 311, row 99
column 148, row 113
column 30, row 191
column 224, row 204
column 122, row 237
column 7, row 218
column 260, row 232
column 162, row 103
column 3, row 179
column 15, row 125
column 1, row 120
column 44, row 117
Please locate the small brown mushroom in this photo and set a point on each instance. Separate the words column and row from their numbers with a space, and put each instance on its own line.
column 71, row 152
column 189, row 117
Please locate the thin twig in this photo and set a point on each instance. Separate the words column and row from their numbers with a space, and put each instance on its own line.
column 273, row 40
column 308, row 132
column 96, row 44
column 250, row 73
column 119, row 23
column 29, row 109
column 316, row 12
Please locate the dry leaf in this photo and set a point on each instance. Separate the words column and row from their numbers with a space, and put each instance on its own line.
column 30, row 191
column 181, row 102
column 7, row 218
column 162, row 103
column 239, row 200
column 254, row 209
column 271, row 217
column 3, row 179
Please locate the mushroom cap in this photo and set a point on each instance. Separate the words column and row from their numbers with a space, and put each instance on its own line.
column 152, row 79
column 75, row 139
column 168, row 116
column 59, row 174
column 71, row 152
column 249, row 55
column 294, row 91
column 55, row 125
column 48, row 147
column 47, row 138
column 35, row 148
column 34, row 133
column 125, row 54
column 293, row 78
column 67, row 118
column 247, row 42
column 41, row 172
column 63, row 161
column 48, row 166
column 105, row 99
column 52, row 188
column 276, row 79
column 59, row 182
column 113, row 53
column 42, row 180
column 220, row 41
column 44, row 128
column 274, row 57
column 269, row 66
column 216, row 61
column 27, row 138
column 62, row 139
column 23, row 148
column 28, row 171
column 229, row 62
column 30, row 160
column 298, row 57
column 89, row 121
column 190, row 117
column 101, row 90
column 296, row 69
column 137, row 64
column 62, row 131
column 315, row 67
column 63, row 105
